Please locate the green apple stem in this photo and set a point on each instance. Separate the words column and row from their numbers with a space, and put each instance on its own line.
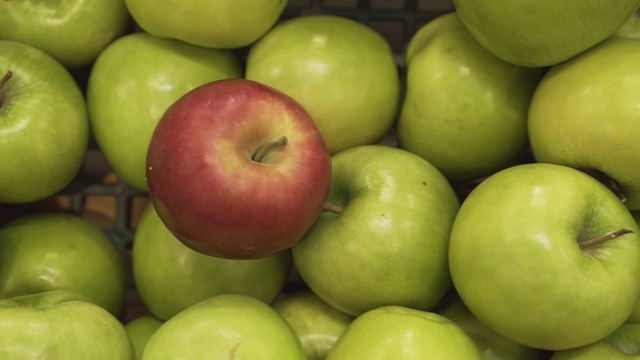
column 5, row 78
column 263, row 150
column 601, row 239
column 332, row 207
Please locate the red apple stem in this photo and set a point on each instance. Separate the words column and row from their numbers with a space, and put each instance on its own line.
column 263, row 150
column 332, row 207
column 5, row 78
column 601, row 239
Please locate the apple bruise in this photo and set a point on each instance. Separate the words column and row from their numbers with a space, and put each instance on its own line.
column 3, row 98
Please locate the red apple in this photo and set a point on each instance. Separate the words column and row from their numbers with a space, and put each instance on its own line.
column 237, row 169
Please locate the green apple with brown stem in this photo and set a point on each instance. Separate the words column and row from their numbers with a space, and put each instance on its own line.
column 383, row 236
column 44, row 129
column 547, row 256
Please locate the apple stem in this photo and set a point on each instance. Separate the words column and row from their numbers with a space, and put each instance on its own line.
column 263, row 150
column 5, row 78
column 603, row 238
column 331, row 207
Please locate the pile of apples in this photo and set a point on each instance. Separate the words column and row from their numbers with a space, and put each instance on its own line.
column 314, row 196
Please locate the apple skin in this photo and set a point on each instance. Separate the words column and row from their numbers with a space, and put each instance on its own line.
column 72, row 31
column 387, row 196
column 58, row 251
column 187, row 277
column 536, row 33
column 45, row 129
column 471, row 123
column 222, row 179
column 139, row 330
column 227, row 326
column 131, row 85
column 397, row 332
column 317, row 324
column 631, row 28
column 622, row 344
column 516, row 263
column 319, row 60
column 492, row 345
column 585, row 114
column 60, row 325
column 216, row 24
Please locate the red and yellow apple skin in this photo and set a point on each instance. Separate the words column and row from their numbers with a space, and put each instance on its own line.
column 237, row 169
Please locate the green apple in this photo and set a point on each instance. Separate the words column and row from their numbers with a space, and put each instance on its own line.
column 140, row 329
column 547, row 256
column 538, row 33
column 585, row 115
column 216, row 24
column 635, row 314
column 631, row 28
column 342, row 71
column 72, row 31
column 227, row 326
column 383, row 236
column 317, row 324
column 622, row 344
column 492, row 345
column 170, row 277
column 60, row 325
column 58, row 251
column 397, row 332
column 44, row 130
column 133, row 82
column 465, row 110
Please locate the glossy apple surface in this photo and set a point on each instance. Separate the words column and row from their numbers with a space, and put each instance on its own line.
column 383, row 238
column 60, row 325
column 396, row 332
column 237, row 169
column 72, row 31
column 44, row 128
column 139, row 330
column 342, row 71
column 538, row 33
column 585, row 115
column 317, row 324
column 465, row 110
column 132, row 84
column 547, row 256
column 492, row 345
column 622, row 344
column 225, row 327
column 57, row 251
column 170, row 277
column 216, row 24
